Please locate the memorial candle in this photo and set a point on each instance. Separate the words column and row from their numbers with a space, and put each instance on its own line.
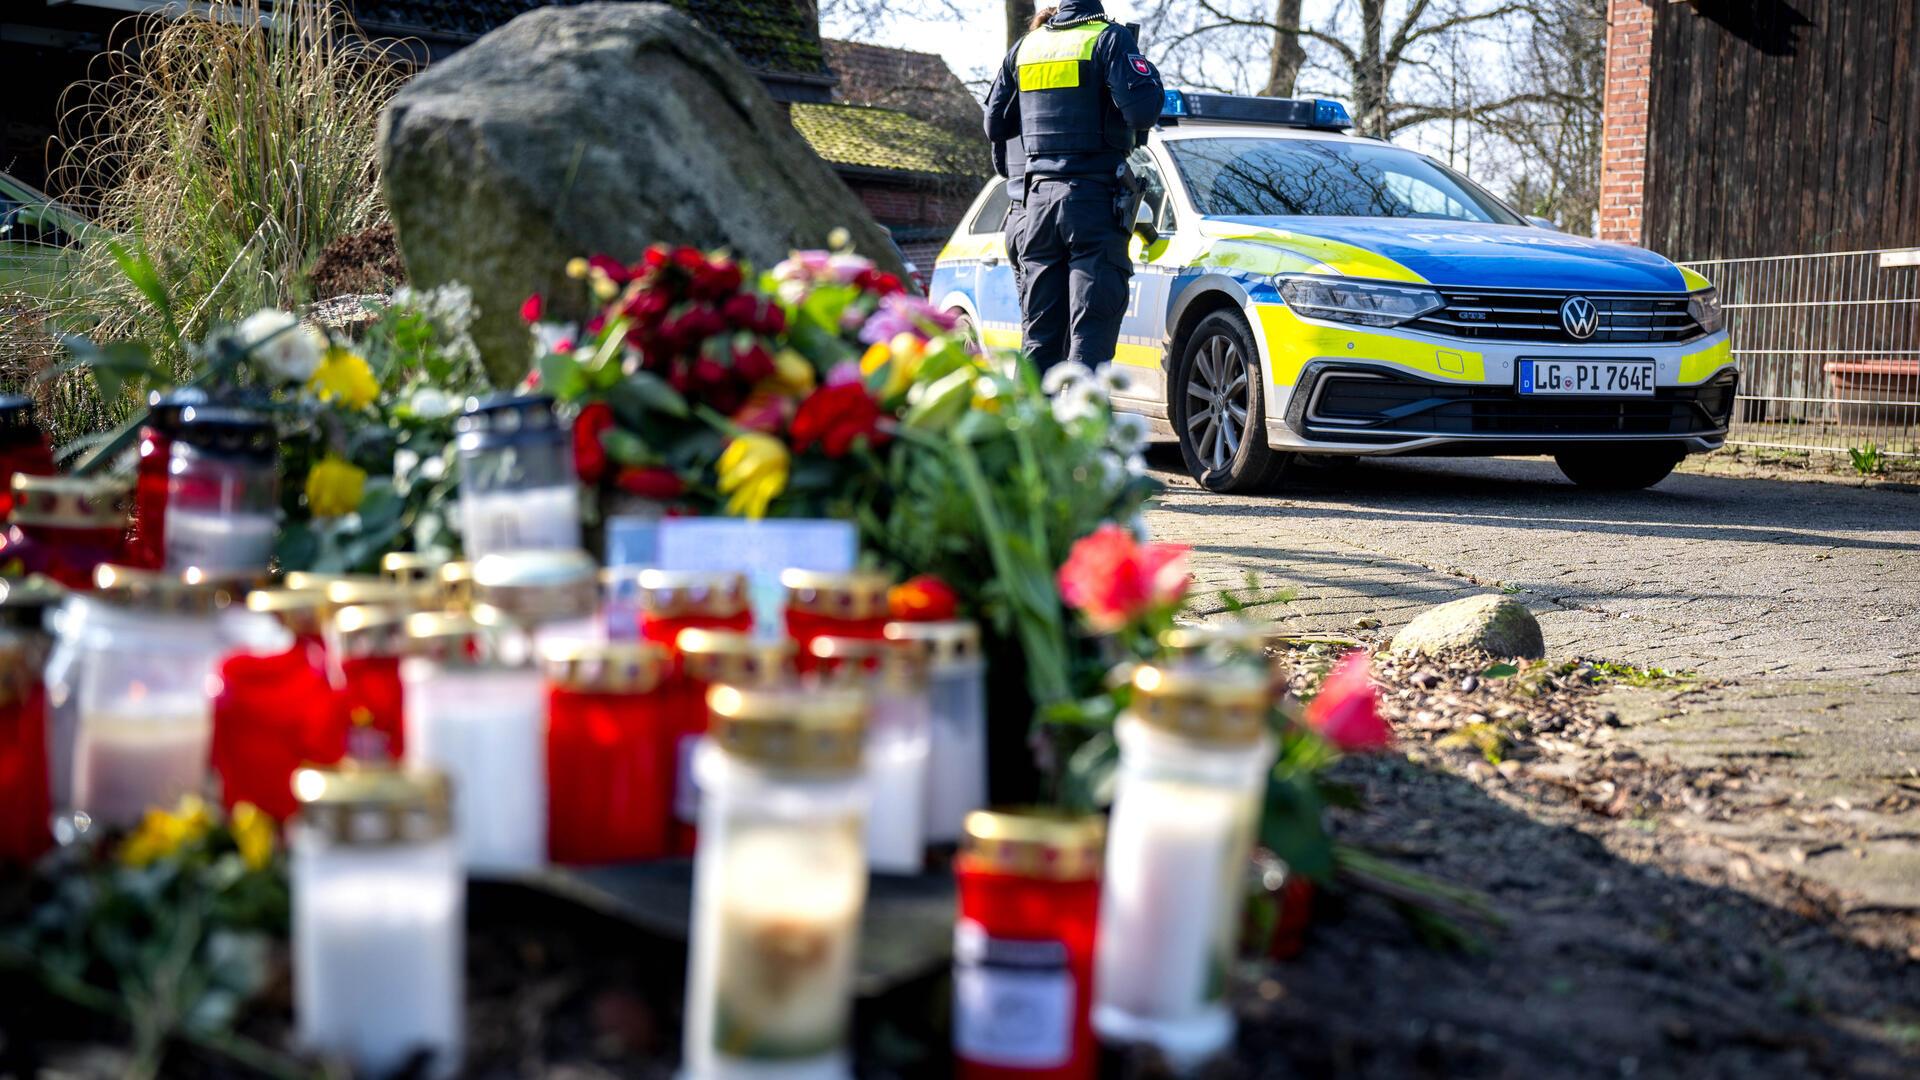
column 893, row 676
column 518, row 490
column 378, row 921
column 610, row 764
column 957, row 696
column 25, row 805
column 1194, row 755
column 222, row 491
column 779, row 883
column 64, row 527
column 706, row 658
column 852, row 605
column 275, row 711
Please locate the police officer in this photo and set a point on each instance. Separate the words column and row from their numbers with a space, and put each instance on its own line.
column 1010, row 161
column 1077, row 94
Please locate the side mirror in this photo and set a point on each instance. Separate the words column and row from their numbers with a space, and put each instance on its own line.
column 1143, row 224
column 1543, row 223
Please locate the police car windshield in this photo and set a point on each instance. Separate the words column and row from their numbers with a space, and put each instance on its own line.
column 1254, row 177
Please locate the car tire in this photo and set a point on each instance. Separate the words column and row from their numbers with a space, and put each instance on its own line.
column 1217, row 403
column 1619, row 468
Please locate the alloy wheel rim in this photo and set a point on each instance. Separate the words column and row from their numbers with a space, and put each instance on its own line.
column 1217, row 401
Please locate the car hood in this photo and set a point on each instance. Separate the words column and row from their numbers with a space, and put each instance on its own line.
column 1468, row 254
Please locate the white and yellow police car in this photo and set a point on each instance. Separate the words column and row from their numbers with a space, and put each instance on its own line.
column 1299, row 291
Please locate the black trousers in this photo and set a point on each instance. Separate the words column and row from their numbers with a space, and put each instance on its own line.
column 1013, row 232
column 1074, row 255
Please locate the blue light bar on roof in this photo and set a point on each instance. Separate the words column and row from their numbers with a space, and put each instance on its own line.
column 1289, row 112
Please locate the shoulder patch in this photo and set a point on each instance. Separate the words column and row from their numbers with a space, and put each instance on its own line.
column 1140, row 63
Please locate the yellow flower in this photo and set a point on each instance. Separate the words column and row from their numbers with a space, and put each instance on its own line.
column 876, row 355
column 334, row 487
column 346, row 379
column 792, row 374
column 163, row 833
column 577, row 268
column 252, row 834
column 753, row 472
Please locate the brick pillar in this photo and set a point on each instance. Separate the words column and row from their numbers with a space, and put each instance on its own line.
column 1623, row 155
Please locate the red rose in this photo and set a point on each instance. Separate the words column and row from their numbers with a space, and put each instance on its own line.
column 653, row 483
column 708, row 371
column 922, row 599
column 589, row 454
column 716, row 279
column 1346, row 710
column 654, row 258
column 753, row 361
column 612, row 268
column 1113, row 579
column 835, row 416
column 531, row 308
column 740, row 311
column 690, row 259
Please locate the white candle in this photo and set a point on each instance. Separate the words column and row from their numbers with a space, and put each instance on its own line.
column 378, row 952
column 1176, row 857
column 957, row 771
column 487, row 730
column 519, row 520
column 777, row 911
column 217, row 540
column 125, row 763
column 896, row 763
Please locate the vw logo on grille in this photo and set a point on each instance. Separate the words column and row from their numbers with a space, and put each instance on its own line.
column 1580, row 317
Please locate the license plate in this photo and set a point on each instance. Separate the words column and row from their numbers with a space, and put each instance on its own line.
column 1631, row 378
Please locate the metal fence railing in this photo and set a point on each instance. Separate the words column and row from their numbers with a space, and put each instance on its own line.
column 1828, row 348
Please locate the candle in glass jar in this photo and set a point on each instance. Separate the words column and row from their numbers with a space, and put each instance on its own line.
column 609, row 766
column 24, row 804
column 893, row 675
column 849, row 605
column 1194, row 754
column 1029, row 887
column 706, row 658
column 779, row 884
column 518, row 489
column 378, row 920
column 367, row 640
column 222, row 490
column 957, row 698
column 486, row 729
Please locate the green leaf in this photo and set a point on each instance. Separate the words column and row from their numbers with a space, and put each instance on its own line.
column 380, row 506
column 644, row 392
column 1500, row 671
column 561, row 376
column 1291, row 827
column 1087, row 785
column 626, row 448
column 297, row 547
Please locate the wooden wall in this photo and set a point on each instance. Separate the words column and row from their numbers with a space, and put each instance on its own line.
column 1779, row 127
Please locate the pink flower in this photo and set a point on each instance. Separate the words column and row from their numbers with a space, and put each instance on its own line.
column 844, row 372
column 531, row 309
column 1113, row 579
column 1346, row 710
column 904, row 313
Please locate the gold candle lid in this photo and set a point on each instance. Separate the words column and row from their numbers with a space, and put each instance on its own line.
column 363, row 630
column 456, row 586
column 728, row 656
column 606, row 667
column 373, row 806
column 412, row 567
column 1034, row 843
column 301, row 611
column 70, row 502
column 859, row 594
column 444, row 636
column 529, row 587
column 191, row 592
column 947, row 643
column 316, row 581
column 1221, row 703
column 674, row 594
column 894, row 665
column 812, row 730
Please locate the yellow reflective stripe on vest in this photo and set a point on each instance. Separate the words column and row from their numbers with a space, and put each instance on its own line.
column 1050, row 59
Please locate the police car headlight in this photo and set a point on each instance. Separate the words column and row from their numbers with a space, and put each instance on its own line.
column 1704, row 306
column 1368, row 303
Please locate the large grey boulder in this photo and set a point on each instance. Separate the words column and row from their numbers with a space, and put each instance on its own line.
column 1495, row 625
column 600, row 128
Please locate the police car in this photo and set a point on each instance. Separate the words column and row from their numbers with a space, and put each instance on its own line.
column 1299, row 292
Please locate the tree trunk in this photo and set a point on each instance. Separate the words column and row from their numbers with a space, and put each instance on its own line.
column 1019, row 14
column 1283, row 70
column 1370, row 75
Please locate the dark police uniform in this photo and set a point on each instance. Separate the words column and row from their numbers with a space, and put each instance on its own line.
column 1076, row 93
column 1010, row 161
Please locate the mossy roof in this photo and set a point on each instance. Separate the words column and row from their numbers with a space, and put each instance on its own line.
column 875, row 138
column 773, row 36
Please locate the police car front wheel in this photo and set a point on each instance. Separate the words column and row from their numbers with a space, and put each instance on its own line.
column 1218, row 408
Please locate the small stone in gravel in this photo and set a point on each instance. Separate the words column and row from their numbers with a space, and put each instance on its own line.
column 1426, row 680
column 1496, row 625
column 1469, row 684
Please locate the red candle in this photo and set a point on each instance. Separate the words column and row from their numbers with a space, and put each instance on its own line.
column 147, row 538
column 850, row 605
column 23, row 447
column 24, row 806
column 1029, row 886
column 706, row 657
column 609, row 772
column 368, row 638
column 276, row 712
column 64, row 527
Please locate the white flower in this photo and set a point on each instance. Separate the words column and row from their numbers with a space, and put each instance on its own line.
column 430, row 403
column 405, row 461
column 281, row 345
column 1112, row 378
column 1065, row 374
column 1075, row 402
column 1128, row 433
column 1137, row 466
